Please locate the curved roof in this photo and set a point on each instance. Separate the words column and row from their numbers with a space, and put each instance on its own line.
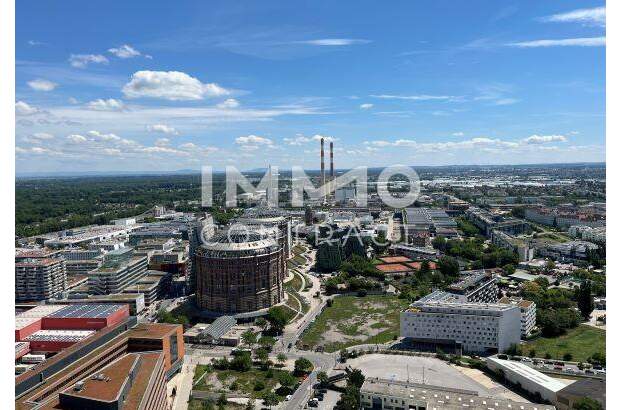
column 241, row 240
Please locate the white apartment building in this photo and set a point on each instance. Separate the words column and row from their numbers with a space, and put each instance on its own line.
column 462, row 327
column 528, row 313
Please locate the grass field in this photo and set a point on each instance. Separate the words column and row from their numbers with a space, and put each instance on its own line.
column 295, row 283
column 242, row 382
column 353, row 320
column 582, row 342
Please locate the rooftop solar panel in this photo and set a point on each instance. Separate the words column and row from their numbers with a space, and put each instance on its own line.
column 87, row 311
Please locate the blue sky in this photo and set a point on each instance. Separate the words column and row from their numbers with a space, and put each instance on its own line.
column 130, row 86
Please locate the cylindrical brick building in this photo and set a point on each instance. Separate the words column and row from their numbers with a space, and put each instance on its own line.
column 240, row 270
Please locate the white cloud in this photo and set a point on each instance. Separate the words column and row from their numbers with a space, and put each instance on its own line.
column 106, row 105
column 170, row 85
column 300, row 139
column 124, row 51
column 334, row 42
column 22, row 108
column 40, row 84
column 594, row 16
column 188, row 146
column 566, row 42
column 82, row 60
column 229, row 103
column 162, row 128
column 76, row 138
column 541, row 139
column 34, row 43
column 73, row 100
column 43, row 136
column 162, row 142
column 458, row 134
column 478, row 143
column 366, row 106
column 506, row 101
column 253, row 140
column 112, row 151
column 421, row 97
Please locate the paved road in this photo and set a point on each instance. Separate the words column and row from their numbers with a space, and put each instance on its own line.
column 322, row 362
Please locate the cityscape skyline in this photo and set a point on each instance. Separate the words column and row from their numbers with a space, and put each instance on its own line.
column 233, row 84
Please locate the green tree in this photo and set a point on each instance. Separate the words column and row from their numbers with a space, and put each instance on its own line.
column 270, row 399
column 448, row 266
column 262, row 354
column 322, row 378
column 221, row 401
column 277, row 318
column 262, row 323
column 353, row 245
column 241, row 362
column 249, row 338
column 356, row 378
column 586, row 403
column 349, row 400
column 585, row 300
column 267, row 342
column 281, row 358
column 567, row 357
column 329, row 256
column 303, row 366
column 251, row 405
column 287, row 380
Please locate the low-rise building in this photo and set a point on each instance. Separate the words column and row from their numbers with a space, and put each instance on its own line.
column 223, row 331
column 592, row 388
column 572, row 251
column 531, row 380
column 379, row 394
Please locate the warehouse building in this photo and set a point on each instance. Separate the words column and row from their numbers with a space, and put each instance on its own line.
column 531, row 380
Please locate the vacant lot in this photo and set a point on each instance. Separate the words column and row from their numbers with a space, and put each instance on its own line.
column 254, row 383
column 353, row 320
column 582, row 342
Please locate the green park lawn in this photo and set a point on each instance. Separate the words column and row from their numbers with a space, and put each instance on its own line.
column 582, row 342
column 353, row 320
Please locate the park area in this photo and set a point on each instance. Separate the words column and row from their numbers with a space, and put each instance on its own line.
column 580, row 342
column 353, row 320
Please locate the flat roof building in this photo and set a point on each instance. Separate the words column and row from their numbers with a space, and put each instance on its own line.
column 378, row 394
column 39, row 278
column 43, row 386
column 120, row 269
column 460, row 327
column 478, row 286
column 531, row 380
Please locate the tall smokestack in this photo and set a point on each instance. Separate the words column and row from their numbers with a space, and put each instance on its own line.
column 322, row 162
column 331, row 160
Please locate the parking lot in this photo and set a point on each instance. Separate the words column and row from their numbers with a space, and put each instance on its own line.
column 428, row 370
